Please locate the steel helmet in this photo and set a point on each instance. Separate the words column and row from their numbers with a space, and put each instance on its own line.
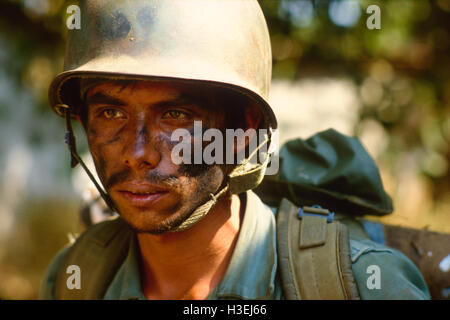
column 215, row 43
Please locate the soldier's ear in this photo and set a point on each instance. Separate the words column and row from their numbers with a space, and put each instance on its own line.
column 253, row 117
column 78, row 118
column 82, row 115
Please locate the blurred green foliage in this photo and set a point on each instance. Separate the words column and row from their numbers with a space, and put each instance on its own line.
column 43, row 228
column 403, row 69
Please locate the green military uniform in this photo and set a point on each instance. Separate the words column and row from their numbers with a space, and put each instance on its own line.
column 253, row 269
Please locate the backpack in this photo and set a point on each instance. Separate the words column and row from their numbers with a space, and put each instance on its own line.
column 326, row 174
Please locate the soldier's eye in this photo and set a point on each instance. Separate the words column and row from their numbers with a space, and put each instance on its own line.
column 175, row 114
column 112, row 113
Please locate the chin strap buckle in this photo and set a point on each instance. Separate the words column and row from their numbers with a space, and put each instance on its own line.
column 69, row 137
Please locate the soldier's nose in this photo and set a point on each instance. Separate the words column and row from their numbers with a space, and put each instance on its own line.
column 141, row 153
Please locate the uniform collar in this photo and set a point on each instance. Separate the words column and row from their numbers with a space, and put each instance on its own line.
column 253, row 265
column 127, row 282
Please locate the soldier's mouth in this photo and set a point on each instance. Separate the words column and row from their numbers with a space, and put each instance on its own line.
column 143, row 198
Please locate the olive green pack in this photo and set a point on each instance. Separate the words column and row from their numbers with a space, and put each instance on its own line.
column 328, row 170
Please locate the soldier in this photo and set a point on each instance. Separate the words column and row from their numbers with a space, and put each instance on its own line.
column 136, row 72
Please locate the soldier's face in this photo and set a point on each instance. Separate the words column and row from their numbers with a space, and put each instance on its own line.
column 129, row 132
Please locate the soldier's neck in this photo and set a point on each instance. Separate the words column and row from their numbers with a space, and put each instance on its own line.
column 189, row 264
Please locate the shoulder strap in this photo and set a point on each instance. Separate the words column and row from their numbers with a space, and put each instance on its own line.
column 314, row 255
column 98, row 252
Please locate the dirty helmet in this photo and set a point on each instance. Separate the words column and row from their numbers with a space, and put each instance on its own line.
column 209, row 43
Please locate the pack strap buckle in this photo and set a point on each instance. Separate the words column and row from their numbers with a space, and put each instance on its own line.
column 316, row 211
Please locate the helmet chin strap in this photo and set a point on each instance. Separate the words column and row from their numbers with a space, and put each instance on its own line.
column 75, row 159
column 241, row 179
column 201, row 211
